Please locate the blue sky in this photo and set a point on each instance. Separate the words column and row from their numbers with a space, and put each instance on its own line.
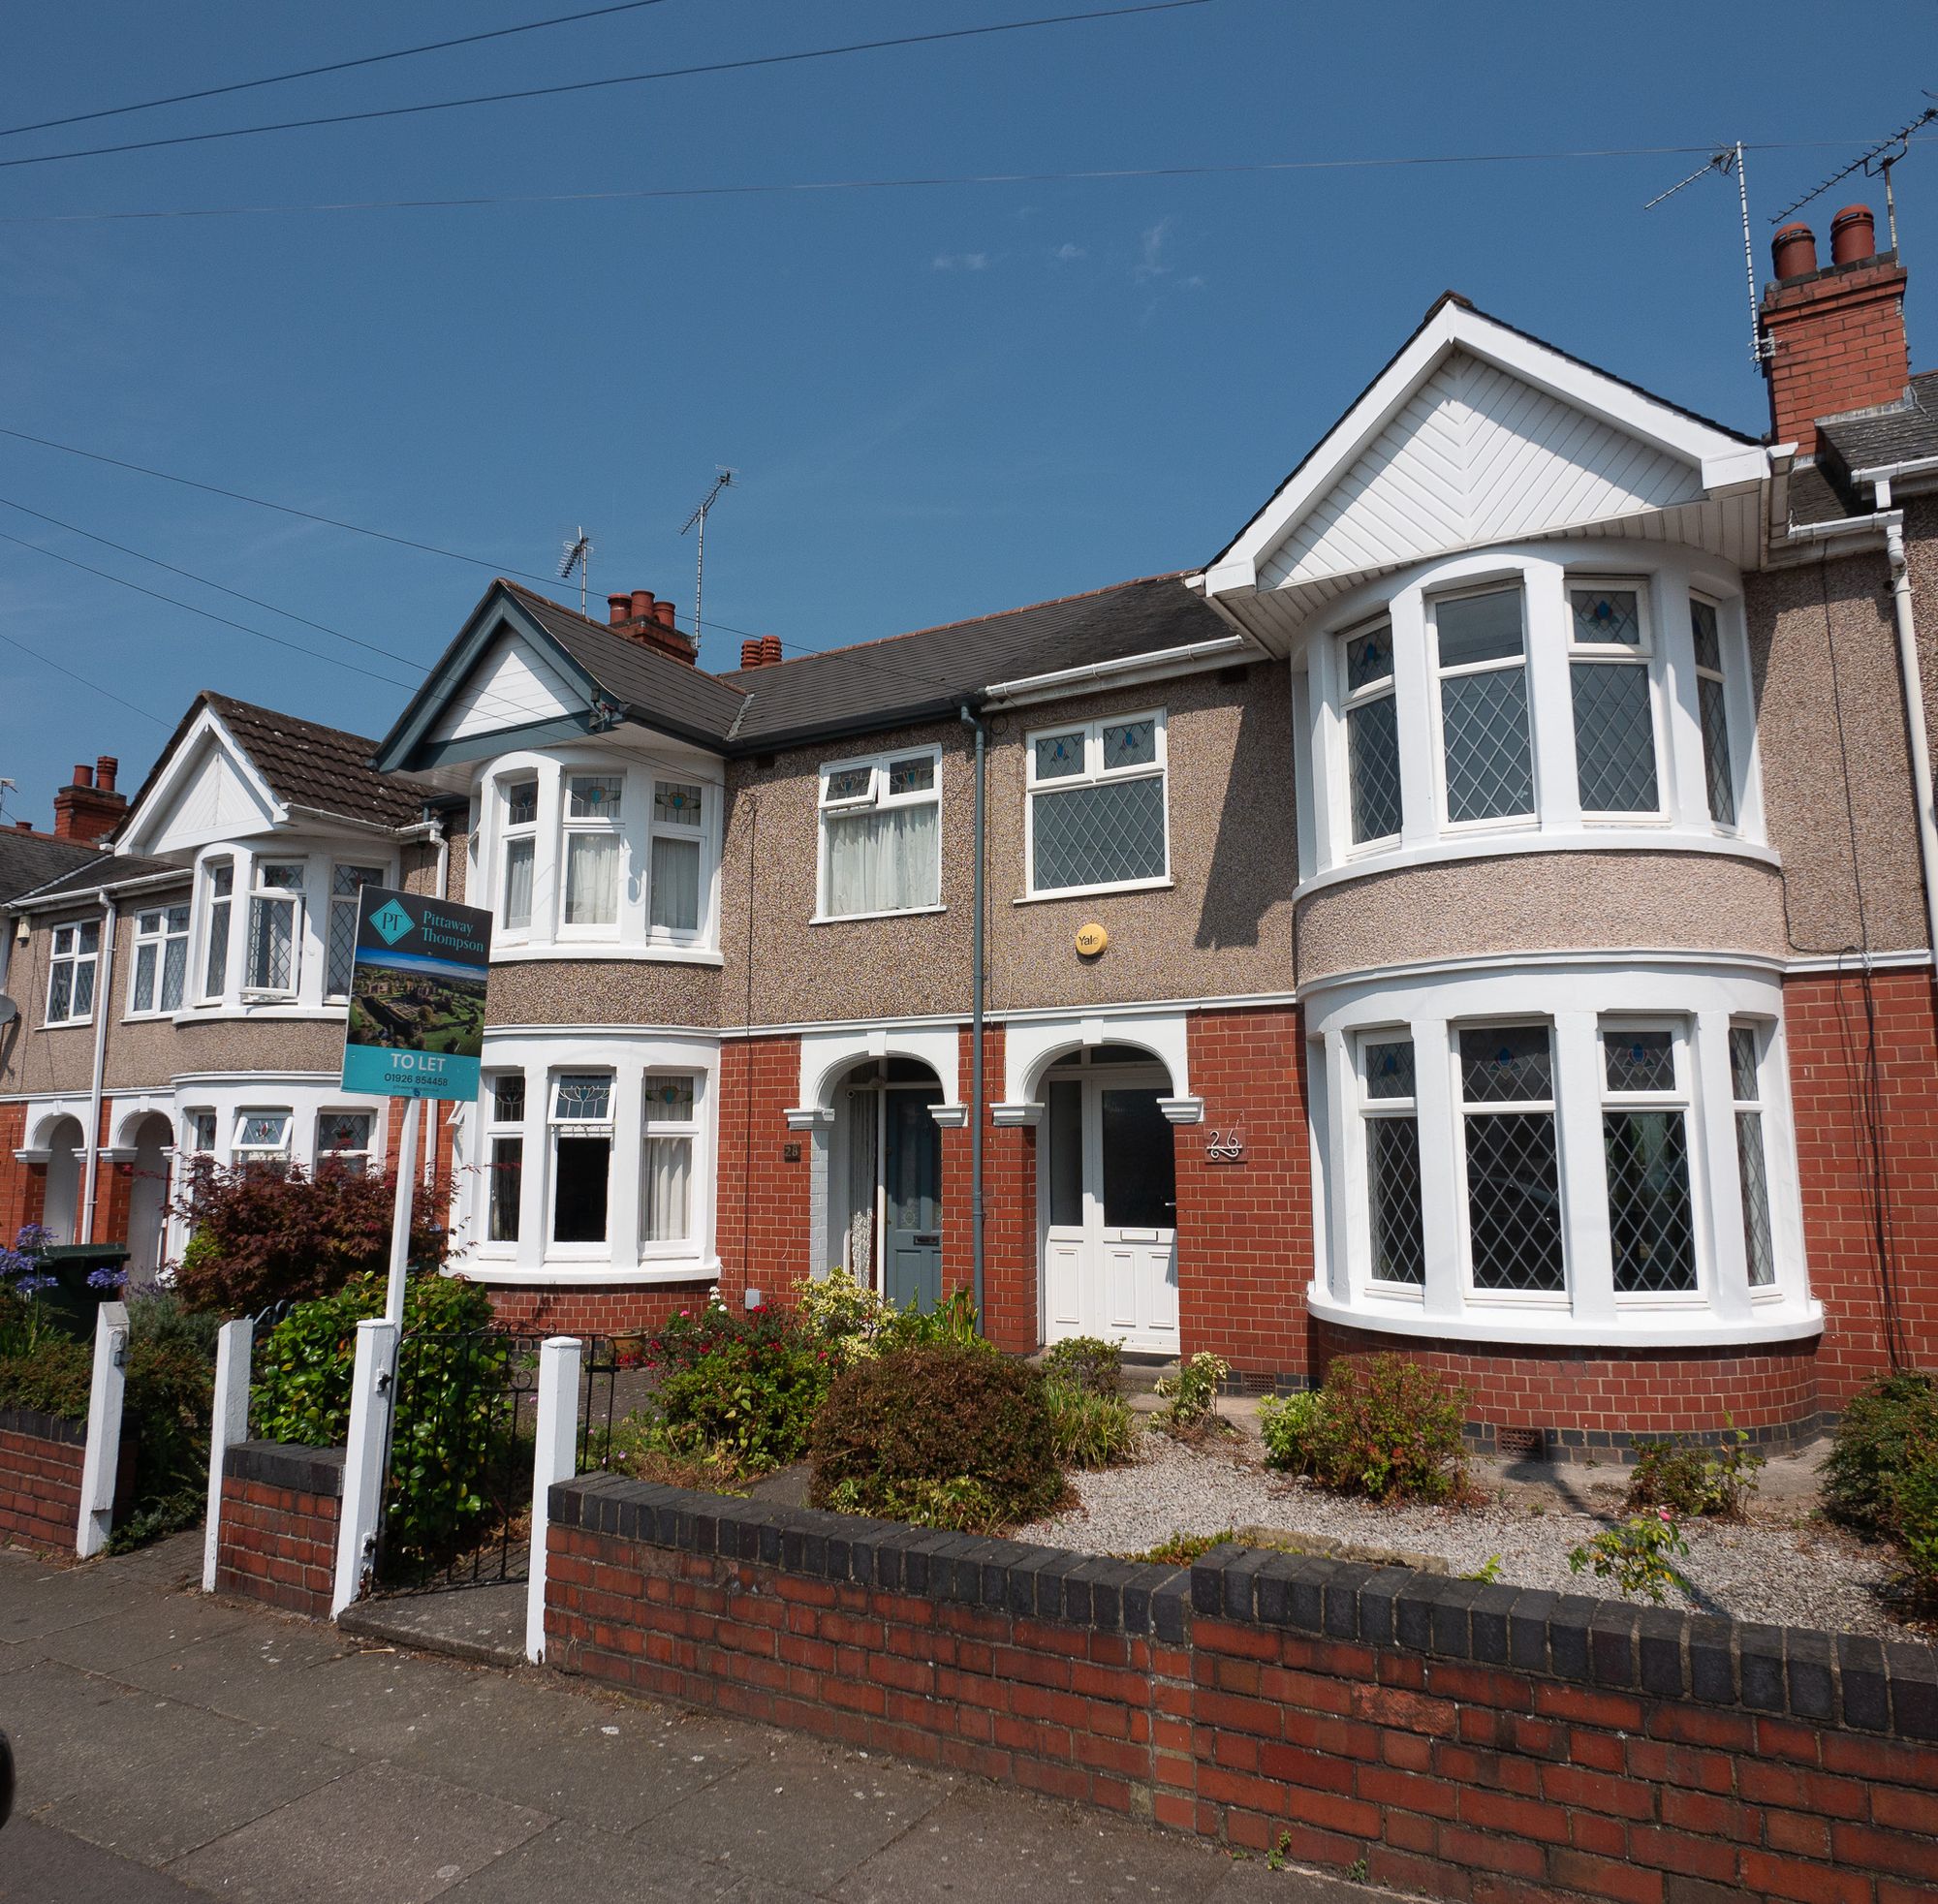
column 940, row 401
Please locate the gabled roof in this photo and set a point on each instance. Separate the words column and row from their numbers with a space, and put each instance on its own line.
column 108, row 870
column 28, row 860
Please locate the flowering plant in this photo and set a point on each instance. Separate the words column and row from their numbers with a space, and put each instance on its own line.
column 1640, row 1555
column 24, row 1278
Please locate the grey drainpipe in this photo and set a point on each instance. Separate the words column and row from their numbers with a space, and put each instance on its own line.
column 977, row 981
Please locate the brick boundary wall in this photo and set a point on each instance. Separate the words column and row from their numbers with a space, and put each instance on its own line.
column 612, row 1309
column 1465, row 1740
column 280, row 1508
column 39, row 1479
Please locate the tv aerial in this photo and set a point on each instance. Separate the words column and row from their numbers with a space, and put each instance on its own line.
column 724, row 480
column 577, row 554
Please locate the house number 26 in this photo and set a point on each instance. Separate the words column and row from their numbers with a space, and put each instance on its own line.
column 1226, row 1147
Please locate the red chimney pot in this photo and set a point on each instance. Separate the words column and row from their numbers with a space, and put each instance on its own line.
column 663, row 613
column 106, row 767
column 1853, row 236
column 618, row 609
column 642, row 604
column 83, row 776
column 750, row 654
column 771, row 649
column 1794, row 251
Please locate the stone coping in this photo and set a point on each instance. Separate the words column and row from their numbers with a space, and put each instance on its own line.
column 43, row 1428
column 286, row 1464
column 1840, row 1680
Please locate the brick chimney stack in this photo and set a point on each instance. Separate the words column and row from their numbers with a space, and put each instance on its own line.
column 640, row 618
column 90, row 807
column 1834, row 334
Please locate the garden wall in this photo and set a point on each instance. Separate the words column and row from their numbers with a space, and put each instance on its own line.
column 39, row 1479
column 280, row 1508
column 1467, row 1741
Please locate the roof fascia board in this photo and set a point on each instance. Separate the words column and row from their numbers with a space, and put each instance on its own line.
column 1193, row 658
column 208, row 725
column 405, row 748
column 920, row 715
column 1723, row 460
column 566, row 728
column 40, row 900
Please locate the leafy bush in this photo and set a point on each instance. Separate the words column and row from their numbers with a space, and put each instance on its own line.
column 748, row 1402
column 946, row 1435
column 1193, row 1395
column 29, row 1292
column 1181, row 1550
column 1087, row 1363
column 1878, row 1438
column 847, row 1315
column 1912, row 1502
column 1089, row 1428
column 50, row 1378
column 1640, row 1555
column 1381, row 1427
column 269, row 1235
column 1695, row 1481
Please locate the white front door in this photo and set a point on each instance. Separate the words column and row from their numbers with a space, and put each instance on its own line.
column 1108, row 1171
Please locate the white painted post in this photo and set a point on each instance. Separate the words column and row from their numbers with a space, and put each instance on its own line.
column 371, row 1390
column 102, row 1458
column 556, row 1459
column 401, row 1213
column 229, row 1423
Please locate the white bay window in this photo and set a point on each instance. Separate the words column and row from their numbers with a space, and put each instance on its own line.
column 881, row 836
column 593, row 846
column 1487, row 752
column 666, row 1174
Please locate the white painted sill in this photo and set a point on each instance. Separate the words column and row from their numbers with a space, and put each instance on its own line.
column 1095, row 891
column 585, row 1275
column 1529, row 1328
column 853, row 919
column 585, row 950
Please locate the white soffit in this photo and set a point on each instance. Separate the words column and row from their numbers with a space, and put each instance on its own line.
column 510, row 685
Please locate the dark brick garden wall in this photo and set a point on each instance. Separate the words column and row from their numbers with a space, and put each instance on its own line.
column 280, row 1509
column 39, row 1479
column 1469, row 1741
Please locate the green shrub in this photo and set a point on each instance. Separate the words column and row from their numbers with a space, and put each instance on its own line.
column 1089, row 1429
column 1877, row 1439
column 1912, row 1504
column 946, row 1435
column 846, row 1315
column 748, row 1402
column 1381, row 1427
column 1192, row 1395
column 1696, row 1481
column 1640, row 1555
column 51, row 1378
column 1087, row 1363
column 1181, row 1550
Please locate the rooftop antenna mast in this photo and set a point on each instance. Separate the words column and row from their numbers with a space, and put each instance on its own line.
column 1878, row 161
column 1729, row 159
column 724, row 480
column 578, row 555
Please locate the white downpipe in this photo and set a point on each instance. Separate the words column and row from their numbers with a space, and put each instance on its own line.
column 371, row 1390
column 556, row 1459
column 229, row 1423
column 1914, row 722
column 102, row 1460
column 103, row 992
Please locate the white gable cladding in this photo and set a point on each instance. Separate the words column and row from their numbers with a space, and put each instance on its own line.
column 1475, row 455
column 214, row 800
column 512, row 685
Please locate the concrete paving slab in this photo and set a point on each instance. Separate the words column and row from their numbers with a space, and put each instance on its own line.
column 248, row 1672
column 143, row 1630
column 36, row 1601
column 484, row 1623
column 577, row 1860
column 39, row 1866
column 800, row 1815
column 158, row 1821
column 982, row 1841
column 381, row 1836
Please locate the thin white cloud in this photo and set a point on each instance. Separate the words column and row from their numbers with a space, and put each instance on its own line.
column 961, row 260
column 1150, row 261
column 1065, row 254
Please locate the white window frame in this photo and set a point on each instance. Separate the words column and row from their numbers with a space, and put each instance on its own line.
column 679, row 1130
column 1717, row 677
column 1477, row 1298
column 252, row 1154
column 343, row 908
column 695, row 836
column 67, row 951
column 1643, row 657
column 876, row 799
column 1679, row 1098
column 1374, row 1110
column 1516, row 584
column 497, row 1130
column 216, row 905
column 1096, row 774
column 1766, row 1112
column 292, row 898
column 510, row 833
column 155, row 931
column 573, row 826
column 1351, row 701
column 357, row 1159
column 561, row 1129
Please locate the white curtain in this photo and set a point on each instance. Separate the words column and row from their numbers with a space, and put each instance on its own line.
column 676, row 885
column 669, row 1183
column 883, row 863
column 516, row 912
column 861, row 1111
column 592, row 879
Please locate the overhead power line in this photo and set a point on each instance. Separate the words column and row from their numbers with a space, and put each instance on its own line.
column 614, row 80
column 48, row 661
column 334, row 66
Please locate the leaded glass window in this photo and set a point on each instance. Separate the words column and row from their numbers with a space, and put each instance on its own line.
column 1645, row 1145
column 70, row 965
column 518, row 854
column 678, row 813
column 345, row 885
column 881, row 836
column 1372, row 734
column 593, row 848
column 161, row 959
column 1718, row 769
column 667, row 1163
column 1614, row 715
column 505, row 1157
column 1396, row 1244
column 343, row 1140
column 582, row 1155
column 1515, row 1238
column 218, row 896
column 1097, row 806
column 1487, row 752
column 1752, row 1160
column 276, row 928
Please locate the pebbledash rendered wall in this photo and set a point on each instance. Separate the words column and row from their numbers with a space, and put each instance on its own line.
column 1439, row 1735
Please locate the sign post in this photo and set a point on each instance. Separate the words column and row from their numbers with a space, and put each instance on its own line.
column 415, row 1026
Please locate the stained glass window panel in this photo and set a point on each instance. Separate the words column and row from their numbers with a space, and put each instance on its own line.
column 1709, row 642
column 596, row 795
column 1389, row 1068
column 669, row 1100
column 1638, row 1060
column 851, row 783
column 1744, row 1063
column 1059, row 755
column 1506, row 1064
column 915, row 775
column 584, row 1097
column 1369, row 658
column 522, row 803
column 1606, row 616
column 675, row 804
column 508, row 1098
column 1132, row 744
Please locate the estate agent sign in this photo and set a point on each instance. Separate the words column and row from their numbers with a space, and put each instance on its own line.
column 417, row 997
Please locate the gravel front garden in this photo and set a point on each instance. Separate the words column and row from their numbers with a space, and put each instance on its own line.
column 1782, row 1563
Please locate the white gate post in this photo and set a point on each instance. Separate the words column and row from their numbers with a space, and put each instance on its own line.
column 102, row 1461
column 371, row 1390
column 229, row 1423
column 555, row 1459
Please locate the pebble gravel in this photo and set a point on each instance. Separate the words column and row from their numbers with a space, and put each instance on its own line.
column 1784, row 1567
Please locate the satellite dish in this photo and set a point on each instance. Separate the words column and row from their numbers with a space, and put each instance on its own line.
column 9, row 1011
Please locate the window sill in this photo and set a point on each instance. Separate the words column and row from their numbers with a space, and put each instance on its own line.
column 855, row 918
column 588, row 949
column 66, row 1024
column 268, row 1012
column 1693, row 1329
column 1095, row 891
column 581, row 1274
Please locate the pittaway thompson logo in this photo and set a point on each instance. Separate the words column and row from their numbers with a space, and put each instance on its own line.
column 393, row 922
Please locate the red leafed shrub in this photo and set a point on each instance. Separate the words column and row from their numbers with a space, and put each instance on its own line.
column 265, row 1235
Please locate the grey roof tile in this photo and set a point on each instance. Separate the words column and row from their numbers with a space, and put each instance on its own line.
column 101, row 869
column 1898, row 435
column 28, row 860
column 324, row 768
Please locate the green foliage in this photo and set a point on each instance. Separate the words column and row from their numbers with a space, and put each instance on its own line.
column 1381, row 1427
column 1089, row 1428
column 952, row 1323
column 1912, row 1511
column 1087, row 1363
column 1696, row 1481
column 1487, row 1571
column 944, row 1433
column 1181, row 1550
column 1877, row 1440
column 1640, row 1555
column 265, row 1235
column 1193, row 1394
column 51, row 1378
column 845, row 1313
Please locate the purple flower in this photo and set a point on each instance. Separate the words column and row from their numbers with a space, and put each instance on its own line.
column 37, row 1285
column 107, row 1279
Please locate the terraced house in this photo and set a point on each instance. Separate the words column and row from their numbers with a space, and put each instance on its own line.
column 1486, row 911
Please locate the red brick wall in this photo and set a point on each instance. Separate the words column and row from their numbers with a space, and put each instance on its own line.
column 615, row 1309
column 1837, row 344
column 1862, row 1174
column 39, row 1480
column 1245, row 1229
column 762, row 1226
column 1445, row 1737
column 21, row 1185
column 280, row 1509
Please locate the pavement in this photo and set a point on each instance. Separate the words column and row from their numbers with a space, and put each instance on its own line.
column 173, row 1746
